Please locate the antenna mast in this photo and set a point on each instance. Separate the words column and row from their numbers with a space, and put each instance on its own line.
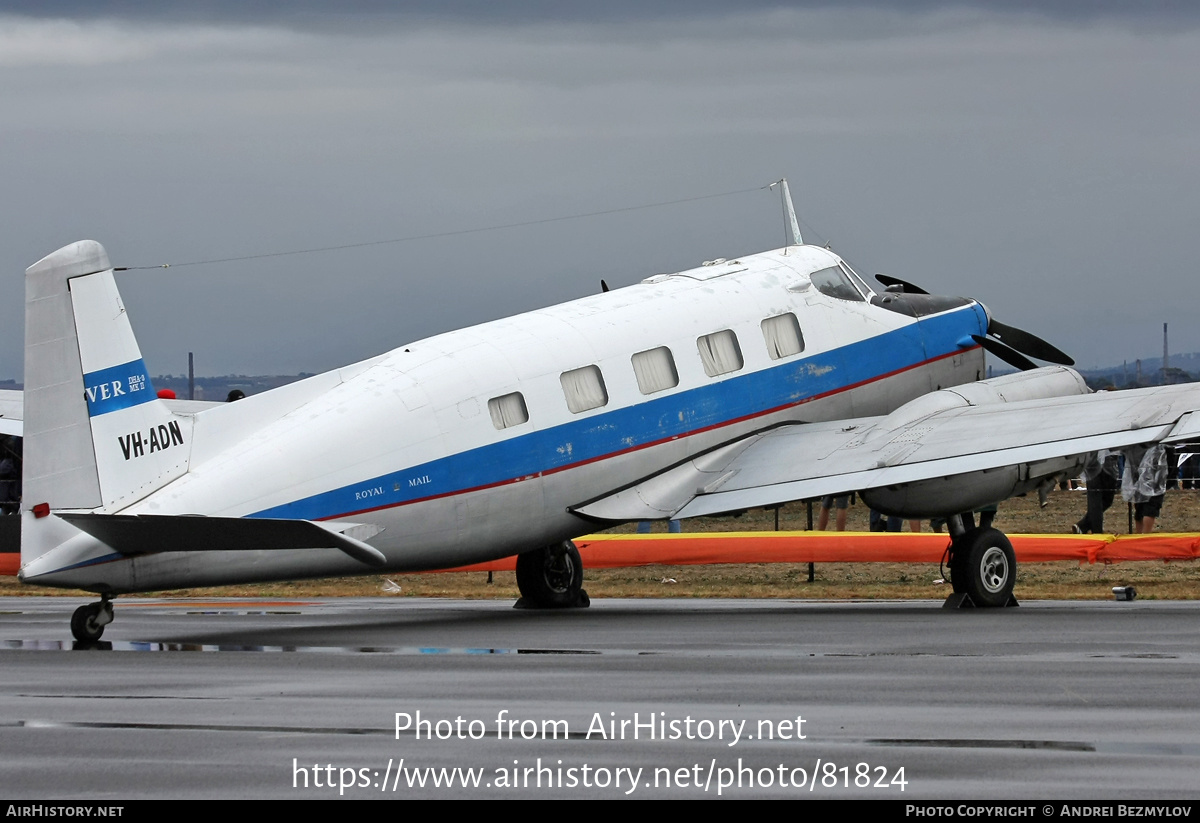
column 789, row 213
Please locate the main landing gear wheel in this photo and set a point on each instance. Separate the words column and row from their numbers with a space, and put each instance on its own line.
column 551, row 578
column 88, row 622
column 984, row 567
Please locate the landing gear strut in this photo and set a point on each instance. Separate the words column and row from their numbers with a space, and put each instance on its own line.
column 551, row 578
column 983, row 567
column 88, row 622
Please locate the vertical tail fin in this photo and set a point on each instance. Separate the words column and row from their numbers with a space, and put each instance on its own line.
column 96, row 435
column 60, row 464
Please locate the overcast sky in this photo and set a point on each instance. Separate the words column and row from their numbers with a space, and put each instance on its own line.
column 1044, row 162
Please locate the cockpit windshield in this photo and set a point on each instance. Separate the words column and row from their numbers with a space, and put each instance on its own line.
column 835, row 283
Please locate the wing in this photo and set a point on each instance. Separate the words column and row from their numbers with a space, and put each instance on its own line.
column 11, row 412
column 948, row 461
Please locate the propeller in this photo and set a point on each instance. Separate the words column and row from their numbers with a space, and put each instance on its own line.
column 1027, row 343
column 1010, row 343
column 1009, row 355
column 906, row 287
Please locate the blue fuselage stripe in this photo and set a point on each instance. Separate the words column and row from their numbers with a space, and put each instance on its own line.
column 655, row 420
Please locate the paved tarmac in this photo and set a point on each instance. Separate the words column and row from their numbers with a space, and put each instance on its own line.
column 663, row 698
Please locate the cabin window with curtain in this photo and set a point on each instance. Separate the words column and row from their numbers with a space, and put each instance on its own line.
column 782, row 335
column 720, row 353
column 655, row 370
column 584, row 389
column 508, row 410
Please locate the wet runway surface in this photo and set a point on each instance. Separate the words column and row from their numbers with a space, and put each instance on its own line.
column 654, row 699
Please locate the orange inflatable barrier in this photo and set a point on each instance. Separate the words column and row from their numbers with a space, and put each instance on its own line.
column 610, row 551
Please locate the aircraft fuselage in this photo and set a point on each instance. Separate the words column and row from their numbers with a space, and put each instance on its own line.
column 427, row 441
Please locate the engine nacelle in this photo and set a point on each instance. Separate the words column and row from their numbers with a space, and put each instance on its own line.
column 966, row 492
column 1036, row 384
column 958, row 493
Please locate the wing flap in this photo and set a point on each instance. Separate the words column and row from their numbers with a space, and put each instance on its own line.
column 1187, row 430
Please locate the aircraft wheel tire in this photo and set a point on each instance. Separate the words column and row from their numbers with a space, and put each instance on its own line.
column 984, row 567
column 551, row 577
column 84, row 623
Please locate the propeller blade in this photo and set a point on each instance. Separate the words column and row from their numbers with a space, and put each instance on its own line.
column 1027, row 343
column 909, row 288
column 1009, row 356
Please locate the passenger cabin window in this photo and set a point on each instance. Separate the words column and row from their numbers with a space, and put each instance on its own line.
column 508, row 410
column 655, row 370
column 782, row 335
column 584, row 389
column 720, row 353
column 834, row 282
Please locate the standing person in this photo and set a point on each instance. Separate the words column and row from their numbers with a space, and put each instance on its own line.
column 1045, row 488
column 10, row 477
column 1102, row 473
column 1190, row 464
column 673, row 527
column 1144, row 484
column 885, row 523
column 842, row 503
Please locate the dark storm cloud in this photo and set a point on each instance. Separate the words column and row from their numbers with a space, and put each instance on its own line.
column 1044, row 165
column 314, row 14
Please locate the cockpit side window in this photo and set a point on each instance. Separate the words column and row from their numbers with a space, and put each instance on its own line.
column 835, row 283
column 863, row 288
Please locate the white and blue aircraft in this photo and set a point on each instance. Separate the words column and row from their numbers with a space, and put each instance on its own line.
column 741, row 383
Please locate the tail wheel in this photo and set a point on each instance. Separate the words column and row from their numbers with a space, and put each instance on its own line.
column 551, row 577
column 984, row 566
column 87, row 623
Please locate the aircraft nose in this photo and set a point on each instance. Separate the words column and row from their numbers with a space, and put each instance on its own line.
column 987, row 314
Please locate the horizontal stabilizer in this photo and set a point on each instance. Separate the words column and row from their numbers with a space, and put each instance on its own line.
column 11, row 412
column 134, row 534
column 12, row 409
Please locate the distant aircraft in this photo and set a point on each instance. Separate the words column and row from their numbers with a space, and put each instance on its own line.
column 741, row 383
